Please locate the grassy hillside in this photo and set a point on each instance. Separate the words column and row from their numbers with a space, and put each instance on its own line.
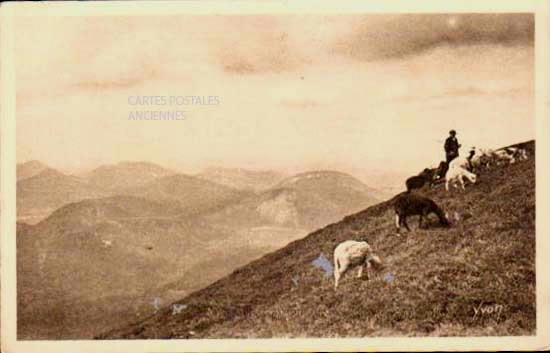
column 434, row 280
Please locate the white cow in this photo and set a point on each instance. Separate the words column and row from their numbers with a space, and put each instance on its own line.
column 460, row 161
column 507, row 154
column 512, row 154
column 482, row 158
column 457, row 172
column 351, row 253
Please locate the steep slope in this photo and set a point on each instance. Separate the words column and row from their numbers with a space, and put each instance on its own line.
column 242, row 179
column 434, row 280
column 39, row 195
column 304, row 201
column 192, row 194
column 29, row 169
column 125, row 174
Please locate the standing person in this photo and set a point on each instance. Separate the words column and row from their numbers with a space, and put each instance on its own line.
column 451, row 147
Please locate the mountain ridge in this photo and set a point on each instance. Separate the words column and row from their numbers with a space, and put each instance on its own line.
column 41, row 194
column 243, row 179
column 125, row 174
column 306, row 200
column 28, row 169
column 192, row 194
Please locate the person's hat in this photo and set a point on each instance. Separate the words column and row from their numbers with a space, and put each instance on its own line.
column 452, row 132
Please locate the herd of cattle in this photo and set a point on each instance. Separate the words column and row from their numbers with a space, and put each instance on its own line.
column 351, row 253
column 464, row 167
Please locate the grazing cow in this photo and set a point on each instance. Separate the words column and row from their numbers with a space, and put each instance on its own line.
column 482, row 158
column 507, row 154
column 457, row 172
column 522, row 154
column 408, row 204
column 418, row 181
column 504, row 155
column 351, row 253
column 512, row 154
column 415, row 182
column 476, row 158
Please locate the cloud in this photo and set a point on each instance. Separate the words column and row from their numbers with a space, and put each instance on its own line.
column 264, row 44
column 258, row 44
column 118, row 80
column 268, row 54
column 379, row 37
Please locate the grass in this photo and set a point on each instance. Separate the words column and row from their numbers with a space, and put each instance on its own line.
column 440, row 275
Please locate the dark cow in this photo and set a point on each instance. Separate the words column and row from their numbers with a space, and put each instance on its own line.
column 418, row 181
column 410, row 204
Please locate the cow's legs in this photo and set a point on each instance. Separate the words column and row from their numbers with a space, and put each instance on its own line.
column 404, row 221
column 340, row 271
column 360, row 272
column 461, row 178
column 368, row 266
column 397, row 222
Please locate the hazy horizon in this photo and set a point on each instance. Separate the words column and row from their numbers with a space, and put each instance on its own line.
column 354, row 93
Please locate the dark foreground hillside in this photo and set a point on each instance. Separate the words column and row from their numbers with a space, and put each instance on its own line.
column 476, row 278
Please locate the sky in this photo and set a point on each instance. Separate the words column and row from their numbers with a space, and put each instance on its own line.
column 355, row 93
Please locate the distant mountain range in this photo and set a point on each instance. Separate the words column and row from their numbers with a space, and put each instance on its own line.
column 40, row 194
column 125, row 175
column 192, row 194
column 99, row 254
column 243, row 179
column 29, row 169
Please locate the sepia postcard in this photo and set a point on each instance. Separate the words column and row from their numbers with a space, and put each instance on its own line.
column 250, row 176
